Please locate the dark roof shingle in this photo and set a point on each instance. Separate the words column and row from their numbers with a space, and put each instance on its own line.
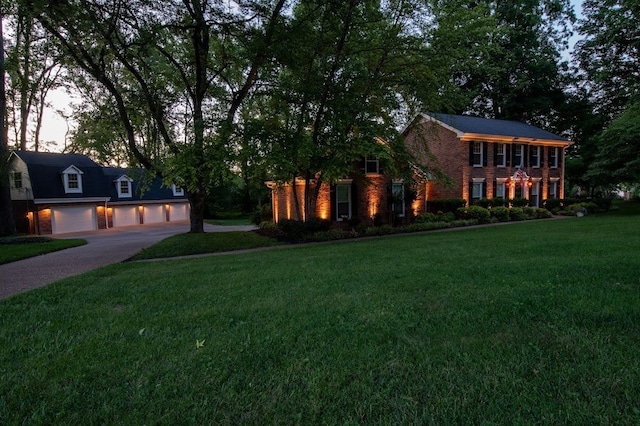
column 488, row 126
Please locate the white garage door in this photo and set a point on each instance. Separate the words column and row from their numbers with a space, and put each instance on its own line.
column 153, row 214
column 178, row 212
column 125, row 215
column 73, row 219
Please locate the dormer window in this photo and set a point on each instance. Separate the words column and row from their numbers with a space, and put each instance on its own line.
column 177, row 190
column 124, row 185
column 72, row 180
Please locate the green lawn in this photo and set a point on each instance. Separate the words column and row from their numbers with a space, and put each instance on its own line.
column 211, row 242
column 17, row 248
column 529, row 323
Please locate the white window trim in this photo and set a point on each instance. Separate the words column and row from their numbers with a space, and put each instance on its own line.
column 346, row 183
column 371, row 159
column 178, row 191
column 124, row 178
column 72, row 170
column 521, row 162
column 537, row 165
column 502, row 156
column 503, row 182
column 481, row 147
column 15, row 177
column 477, row 181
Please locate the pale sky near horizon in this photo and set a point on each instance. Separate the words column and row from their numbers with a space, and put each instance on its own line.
column 55, row 127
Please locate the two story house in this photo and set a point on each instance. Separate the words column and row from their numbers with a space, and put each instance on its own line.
column 480, row 158
column 56, row 193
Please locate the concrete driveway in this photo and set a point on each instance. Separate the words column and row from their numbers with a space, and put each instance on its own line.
column 104, row 247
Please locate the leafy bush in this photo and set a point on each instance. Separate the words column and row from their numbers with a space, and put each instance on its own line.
column 435, row 217
column 542, row 213
column 517, row 214
column 530, row 213
column 519, row 202
column 296, row 230
column 262, row 214
column 478, row 213
column 446, row 205
column 501, row 213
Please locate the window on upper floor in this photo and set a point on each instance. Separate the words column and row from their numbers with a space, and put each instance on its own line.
column 477, row 154
column 16, row 178
column 371, row 165
column 553, row 157
column 177, row 190
column 534, row 156
column 518, row 156
column 500, row 155
column 72, row 180
column 124, row 185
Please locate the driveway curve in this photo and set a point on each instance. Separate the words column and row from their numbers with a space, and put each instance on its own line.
column 104, row 247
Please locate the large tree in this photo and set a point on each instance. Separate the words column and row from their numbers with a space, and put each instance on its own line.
column 609, row 53
column 609, row 56
column 503, row 59
column 33, row 69
column 340, row 84
column 186, row 64
column 7, row 222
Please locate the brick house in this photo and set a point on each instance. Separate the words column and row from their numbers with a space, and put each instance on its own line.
column 487, row 158
column 481, row 158
column 56, row 193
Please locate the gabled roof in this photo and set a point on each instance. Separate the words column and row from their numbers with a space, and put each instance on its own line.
column 468, row 127
column 46, row 168
column 45, row 172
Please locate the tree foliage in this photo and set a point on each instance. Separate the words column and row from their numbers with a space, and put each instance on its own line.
column 609, row 53
column 186, row 65
column 503, row 59
column 337, row 89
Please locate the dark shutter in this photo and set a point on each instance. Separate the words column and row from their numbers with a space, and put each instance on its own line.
column 334, row 213
column 355, row 202
column 495, row 154
column 484, row 190
column 485, row 152
column 560, row 154
column 495, row 188
column 471, row 153
column 542, row 156
column 362, row 165
column 508, row 154
column 525, row 156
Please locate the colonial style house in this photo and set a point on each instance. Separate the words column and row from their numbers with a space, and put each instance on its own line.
column 57, row 193
column 478, row 158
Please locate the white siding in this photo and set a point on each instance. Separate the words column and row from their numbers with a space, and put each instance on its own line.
column 73, row 219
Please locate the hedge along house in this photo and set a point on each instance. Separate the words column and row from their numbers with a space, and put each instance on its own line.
column 487, row 158
column 58, row 193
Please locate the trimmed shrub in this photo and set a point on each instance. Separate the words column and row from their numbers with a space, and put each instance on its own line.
column 478, row 213
column 517, row 214
column 530, row 212
column 501, row 213
column 542, row 213
column 519, row 202
column 435, row 217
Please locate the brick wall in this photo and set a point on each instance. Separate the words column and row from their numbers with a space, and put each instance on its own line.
column 44, row 221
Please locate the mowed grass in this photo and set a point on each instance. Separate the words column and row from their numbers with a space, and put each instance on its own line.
column 17, row 248
column 530, row 323
column 211, row 242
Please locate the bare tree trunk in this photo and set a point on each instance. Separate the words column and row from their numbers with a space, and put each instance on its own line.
column 7, row 222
